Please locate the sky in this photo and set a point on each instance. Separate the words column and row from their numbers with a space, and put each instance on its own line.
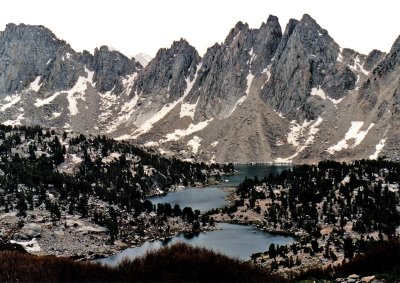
column 133, row 26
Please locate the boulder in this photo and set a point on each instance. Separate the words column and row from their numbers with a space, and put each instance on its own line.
column 367, row 279
column 30, row 230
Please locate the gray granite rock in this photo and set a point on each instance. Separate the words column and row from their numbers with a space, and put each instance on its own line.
column 250, row 93
column 110, row 67
column 303, row 60
column 25, row 52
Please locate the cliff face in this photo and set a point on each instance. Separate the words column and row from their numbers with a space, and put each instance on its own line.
column 25, row 52
column 259, row 96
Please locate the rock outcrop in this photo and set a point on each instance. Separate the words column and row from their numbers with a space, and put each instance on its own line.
column 25, row 52
column 110, row 67
column 259, row 96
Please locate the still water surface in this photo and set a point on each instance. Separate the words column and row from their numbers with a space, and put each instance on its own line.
column 233, row 240
column 259, row 170
column 210, row 197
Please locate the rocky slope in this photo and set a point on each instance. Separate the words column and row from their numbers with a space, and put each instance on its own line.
column 74, row 195
column 262, row 95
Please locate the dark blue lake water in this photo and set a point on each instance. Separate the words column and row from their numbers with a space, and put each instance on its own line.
column 210, row 197
column 233, row 240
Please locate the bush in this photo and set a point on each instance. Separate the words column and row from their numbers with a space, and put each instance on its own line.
column 15, row 266
column 179, row 262
column 383, row 258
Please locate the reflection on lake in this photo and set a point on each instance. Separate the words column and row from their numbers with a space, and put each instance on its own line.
column 259, row 170
column 202, row 199
column 233, row 240
column 211, row 197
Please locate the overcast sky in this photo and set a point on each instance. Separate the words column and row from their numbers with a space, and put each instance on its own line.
column 147, row 25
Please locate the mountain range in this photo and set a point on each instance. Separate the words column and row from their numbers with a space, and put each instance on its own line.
column 262, row 95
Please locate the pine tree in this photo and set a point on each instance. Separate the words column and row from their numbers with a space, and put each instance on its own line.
column 272, row 251
column 348, row 248
column 21, row 205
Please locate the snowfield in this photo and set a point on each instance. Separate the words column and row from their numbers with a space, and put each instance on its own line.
column 353, row 133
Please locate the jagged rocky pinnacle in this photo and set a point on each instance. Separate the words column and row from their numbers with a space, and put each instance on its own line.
column 262, row 95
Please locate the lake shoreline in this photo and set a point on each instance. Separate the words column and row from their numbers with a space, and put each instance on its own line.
column 221, row 194
column 236, row 241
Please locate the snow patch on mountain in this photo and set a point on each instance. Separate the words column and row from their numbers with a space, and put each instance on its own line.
column 123, row 137
column 193, row 128
column 297, row 131
column 35, row 86
column 78, row 92
column 249, row 80
column 151, row 144
column 300, row 136
column 279, row 114
column 12, row 100
column 31, row 246
column 195, row 143
column 214, row 144
column 318, row 91
column 335, row 101
column 357, row 81
column 252, row 56
column 75, row 93
column 188, row 109
column 16, row 122
column 128, row 82
column 236, row 36
column 56, row 114
column 40, row 102
column 267, row 71
column 378, row 149
column 239, row 102
column 190, row 83
column 340, row 56
column 66, row 56
column 108, row 100
column 125, row 113
column 73, row 104
column 353, row 133
column 148, row 124
column 286, row 160
column 212, row 160
column 358, row 67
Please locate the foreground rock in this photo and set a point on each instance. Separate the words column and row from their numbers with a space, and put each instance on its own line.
column 80, row 238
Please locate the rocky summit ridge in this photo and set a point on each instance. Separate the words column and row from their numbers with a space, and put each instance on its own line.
column 261, row 95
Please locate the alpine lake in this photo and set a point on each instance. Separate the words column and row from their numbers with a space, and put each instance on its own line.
column 238, row 241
